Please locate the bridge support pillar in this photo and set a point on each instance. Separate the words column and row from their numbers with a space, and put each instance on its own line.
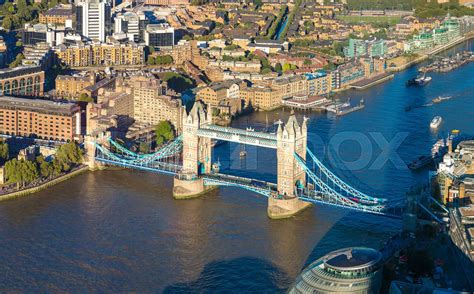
column 285, row 208
column 189, row 186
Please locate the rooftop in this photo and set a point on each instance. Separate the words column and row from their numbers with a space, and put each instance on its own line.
column 38, row 105
column 352, row 258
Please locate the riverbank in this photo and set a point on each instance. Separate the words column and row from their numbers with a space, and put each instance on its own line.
column 426, row 55
column 43, row 186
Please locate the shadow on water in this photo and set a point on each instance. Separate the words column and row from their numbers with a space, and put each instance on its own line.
column 245, row 274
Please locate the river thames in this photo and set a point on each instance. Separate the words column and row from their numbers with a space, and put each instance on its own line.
column 118, row 231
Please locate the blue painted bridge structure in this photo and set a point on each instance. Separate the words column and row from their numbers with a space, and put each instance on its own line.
column 306, row 180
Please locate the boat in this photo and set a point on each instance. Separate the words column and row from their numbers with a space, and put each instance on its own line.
column 438, row 150
column 436, row 122
column 216, row 166
column 419, row 80
column 440, row 99
column 420, row 162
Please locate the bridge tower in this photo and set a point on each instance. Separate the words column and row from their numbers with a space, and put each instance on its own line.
column 291, row 140
column 197, row 152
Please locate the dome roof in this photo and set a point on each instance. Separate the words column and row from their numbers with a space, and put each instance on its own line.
column 352, row 258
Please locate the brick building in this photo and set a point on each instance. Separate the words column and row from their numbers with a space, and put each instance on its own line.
column 39, row 118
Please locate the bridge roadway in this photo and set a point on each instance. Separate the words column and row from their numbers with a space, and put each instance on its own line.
column 238, row 136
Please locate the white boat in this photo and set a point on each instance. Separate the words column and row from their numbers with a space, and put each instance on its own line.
column 436, row 122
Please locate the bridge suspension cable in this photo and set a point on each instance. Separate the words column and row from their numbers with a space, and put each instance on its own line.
column 344, row 187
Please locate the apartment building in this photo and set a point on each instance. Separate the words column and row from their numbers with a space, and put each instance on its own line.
column 39, row 118
column 151, row 105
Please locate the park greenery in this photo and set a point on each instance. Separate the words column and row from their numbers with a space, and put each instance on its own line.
column 160, row 60
column 16, row 14
column 85, row 98
column 24, row 172
column 178, row 82
column 422, row 8
column 164, row 132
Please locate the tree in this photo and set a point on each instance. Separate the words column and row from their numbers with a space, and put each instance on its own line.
column 144, row 147
column 19, row 57
column 46, row 169
column 4, row 152
column 278, row 67
column 68, row 155
column 85, row 98
column 177, row 81
column 307, row 62
column 164, row 132
column 151, row 60
column 286, row 67
column 266, row 70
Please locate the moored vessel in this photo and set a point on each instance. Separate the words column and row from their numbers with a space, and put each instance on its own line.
column 436, row 122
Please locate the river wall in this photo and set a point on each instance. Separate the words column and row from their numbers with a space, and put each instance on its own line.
column 44, row 186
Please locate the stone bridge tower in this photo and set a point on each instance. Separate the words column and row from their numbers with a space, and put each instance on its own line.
column 291, row 140
column 197, row 152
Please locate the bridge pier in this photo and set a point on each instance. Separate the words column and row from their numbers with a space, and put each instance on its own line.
column 285, row 208
column 187, row 186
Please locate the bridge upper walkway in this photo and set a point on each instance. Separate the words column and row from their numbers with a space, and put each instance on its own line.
column 249, row 137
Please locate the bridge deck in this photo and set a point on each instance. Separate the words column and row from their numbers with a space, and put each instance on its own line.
column 239, row 136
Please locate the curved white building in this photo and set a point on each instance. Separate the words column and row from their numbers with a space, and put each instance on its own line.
column 355, row 270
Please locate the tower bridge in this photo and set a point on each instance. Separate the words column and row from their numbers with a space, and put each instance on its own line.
column 189, row 159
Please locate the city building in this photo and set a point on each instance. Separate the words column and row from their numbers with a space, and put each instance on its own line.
column 363, row 48
column 222, row 94
column 22, row 80
column 93, row 19
column 151, row 105
column 167, row 2
column 350, row 270
column 160, row 36
column 261, row 97
column 53, row 35
column 133, row 24
column 319, row 83
column 455, row 174
column 38, row 55
column 290, row 85
column 111, row 53
column 60, row 14
column 3, row 52
column 72, row 86
column 461, row 231
column 39, row 118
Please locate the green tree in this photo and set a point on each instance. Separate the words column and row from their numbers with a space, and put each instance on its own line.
column 4, row 152
column 85, row 98
column 164, row 132
column 266, row 70
column 151, row 60
column 307, row 62
column 177, row 81
column 68, row 155
column 278, row 67
column 144, row 147
column 19, row 57
column 46, row 169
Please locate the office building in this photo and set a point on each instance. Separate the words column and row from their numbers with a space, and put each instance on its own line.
column 132, row 24
column 350, row 270
column 60, row 14
column 93, row 19
column 160, row 36
column 39, row 118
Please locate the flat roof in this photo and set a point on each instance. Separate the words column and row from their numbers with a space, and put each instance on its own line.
column 38, row 105
column 467, row 211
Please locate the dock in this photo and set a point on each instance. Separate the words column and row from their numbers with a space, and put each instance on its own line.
column 372, row 81
column 340, row 110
